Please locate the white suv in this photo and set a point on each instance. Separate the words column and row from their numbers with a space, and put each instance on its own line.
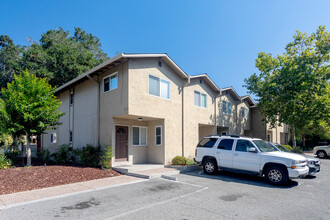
column 249, row 155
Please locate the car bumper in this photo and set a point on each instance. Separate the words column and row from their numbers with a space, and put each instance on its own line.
column 198, row 162
column 298, row 173
column 314, row 169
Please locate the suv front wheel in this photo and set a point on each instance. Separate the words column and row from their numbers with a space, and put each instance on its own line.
column 276, row 175
column 210, row 166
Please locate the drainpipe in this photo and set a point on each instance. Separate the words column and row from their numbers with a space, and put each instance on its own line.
column 188, row 82
column 98, row 109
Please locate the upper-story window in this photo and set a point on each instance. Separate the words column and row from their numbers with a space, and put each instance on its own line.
column 200, row 99
column 244, row 112
column 110, row 82
column 159, row 87
column 226, row 107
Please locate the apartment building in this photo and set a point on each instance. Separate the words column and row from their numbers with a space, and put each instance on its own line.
column 148, row 109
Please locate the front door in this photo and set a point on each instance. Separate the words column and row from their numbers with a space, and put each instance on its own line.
column 121, row 153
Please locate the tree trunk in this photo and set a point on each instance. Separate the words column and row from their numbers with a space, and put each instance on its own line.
column 304, row 140
column 28, row 148
column 293, row 135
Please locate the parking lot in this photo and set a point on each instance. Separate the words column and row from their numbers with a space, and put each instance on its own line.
column 193, row 196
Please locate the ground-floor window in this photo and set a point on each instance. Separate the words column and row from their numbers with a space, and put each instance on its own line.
column 158, row 135
column 139, row 136
column 53, row 138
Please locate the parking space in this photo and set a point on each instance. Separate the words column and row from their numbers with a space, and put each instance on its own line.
column 193, row 196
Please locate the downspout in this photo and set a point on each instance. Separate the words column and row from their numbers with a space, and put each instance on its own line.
column 188, row 82
column 98, row 109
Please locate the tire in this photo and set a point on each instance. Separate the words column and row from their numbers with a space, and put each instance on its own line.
column 276, row 175
column 321, row 154
column 210, row 166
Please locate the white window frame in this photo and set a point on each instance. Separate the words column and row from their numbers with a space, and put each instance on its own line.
column 161, row 135
column 109, row 76
column 159, row 89
column 140, row 135
column 200, row 99
column 226, row 112
column 52, row 136
column 245, row 110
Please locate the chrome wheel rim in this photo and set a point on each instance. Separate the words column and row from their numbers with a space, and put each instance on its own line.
column 321, row 154
column 209, row 167
column 275, row 175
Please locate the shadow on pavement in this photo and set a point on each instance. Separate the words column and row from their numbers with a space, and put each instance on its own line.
column 241, row 178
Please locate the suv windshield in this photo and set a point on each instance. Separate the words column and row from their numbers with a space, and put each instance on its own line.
column 263, row 146
column 281, row 148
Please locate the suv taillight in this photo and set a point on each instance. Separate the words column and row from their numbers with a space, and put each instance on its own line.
column 196, row 153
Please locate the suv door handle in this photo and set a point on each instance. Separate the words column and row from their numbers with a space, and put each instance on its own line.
column 235, row 154
column 218, row 152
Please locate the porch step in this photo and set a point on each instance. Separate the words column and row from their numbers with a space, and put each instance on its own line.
column 147, row 172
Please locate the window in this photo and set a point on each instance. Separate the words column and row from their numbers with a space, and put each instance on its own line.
column 139, row 136
column 71, row 98
column 226, row 144
column 159, row 87
column 158, row 135
column 110, row 82
column 243, row 145
column 244, row 112
column 224, row 133
column 207, row 142
column 226, row 107
column 70, row 136
column 200, row 99
column 53, row 138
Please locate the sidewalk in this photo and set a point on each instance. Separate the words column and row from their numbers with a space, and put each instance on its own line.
column 15, row 199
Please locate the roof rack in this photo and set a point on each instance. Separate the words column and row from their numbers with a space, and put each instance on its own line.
column 226, row 135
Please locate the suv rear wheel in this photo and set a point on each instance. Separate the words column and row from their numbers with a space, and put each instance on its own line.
column 210, row 166
column 321, row 154
column 276, row 175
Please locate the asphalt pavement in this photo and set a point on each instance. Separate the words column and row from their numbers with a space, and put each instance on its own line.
column 193, row 196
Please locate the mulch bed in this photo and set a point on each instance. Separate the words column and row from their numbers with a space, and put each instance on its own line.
column 22, row 178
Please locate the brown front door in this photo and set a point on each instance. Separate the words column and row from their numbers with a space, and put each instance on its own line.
column 121, row 153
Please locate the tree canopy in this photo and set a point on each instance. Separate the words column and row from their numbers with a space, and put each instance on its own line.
column 293, row 88
column 29, row 107
column 58, row 56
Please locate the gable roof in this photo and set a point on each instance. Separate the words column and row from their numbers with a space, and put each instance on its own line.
column 233, row 92
column 118, row 59
column 249, row 99
column 208, row 80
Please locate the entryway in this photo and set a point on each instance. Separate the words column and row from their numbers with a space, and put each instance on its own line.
column 121, row 153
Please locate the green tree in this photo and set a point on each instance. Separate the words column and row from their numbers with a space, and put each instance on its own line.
column 293, row 88
column 58, row 56
column 61, row 57
column 9, row 59
column 30, row 107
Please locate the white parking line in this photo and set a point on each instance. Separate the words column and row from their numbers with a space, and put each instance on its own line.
column 159, row 203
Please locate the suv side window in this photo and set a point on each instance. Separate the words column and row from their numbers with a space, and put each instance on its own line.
column 243, row 145
column 226, row 144
column 207, row 142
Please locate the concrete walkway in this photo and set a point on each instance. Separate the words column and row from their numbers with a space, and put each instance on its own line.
column 10, row 200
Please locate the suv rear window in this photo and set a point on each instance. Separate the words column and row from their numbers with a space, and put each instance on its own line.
column 207, row 142
column 226, row 144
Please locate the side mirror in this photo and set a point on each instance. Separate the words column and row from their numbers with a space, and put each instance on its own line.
column 253, row 150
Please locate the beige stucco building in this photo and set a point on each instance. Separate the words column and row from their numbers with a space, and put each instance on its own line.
column 149, row 110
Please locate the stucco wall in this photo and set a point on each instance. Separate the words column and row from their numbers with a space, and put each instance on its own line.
column 143, row 104
column 196, row 116
column 226, row 120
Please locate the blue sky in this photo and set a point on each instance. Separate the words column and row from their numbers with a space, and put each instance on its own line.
column 220, row 38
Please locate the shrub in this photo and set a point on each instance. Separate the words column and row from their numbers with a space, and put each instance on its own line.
column 44, row 155
column 191, row 162
column 105, row 159
column 179, row 160
column 288, row 147
column 89, row 156
column 4, row 162
column 64, row 155
column 13, row 155
column 297, row 150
